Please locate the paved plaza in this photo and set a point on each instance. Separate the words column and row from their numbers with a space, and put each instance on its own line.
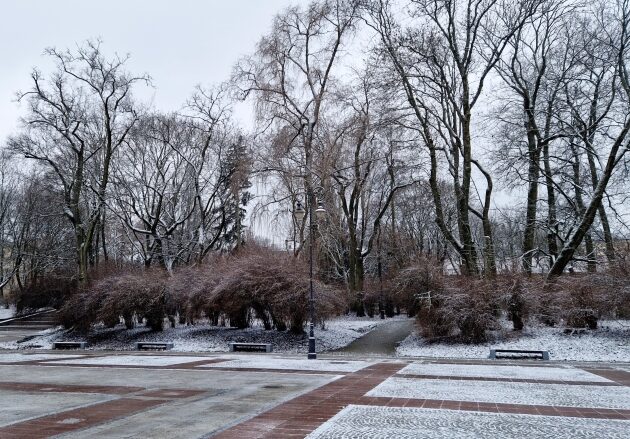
column 84, row 394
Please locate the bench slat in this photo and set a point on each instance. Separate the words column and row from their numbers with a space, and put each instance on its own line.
column 493, row 353
column 69, row 345
column 150, row 345
column 251, row 347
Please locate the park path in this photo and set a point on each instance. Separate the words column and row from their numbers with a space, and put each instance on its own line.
column 19, row 328
column 383, row 340
column 184, row 395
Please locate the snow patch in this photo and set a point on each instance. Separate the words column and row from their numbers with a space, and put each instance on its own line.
column 518, row 372
column 203, row 337
column 567, row 395
column 608, row 343
column 287, row 363
column 131, row 360
column 357, row 421
column 7, row 313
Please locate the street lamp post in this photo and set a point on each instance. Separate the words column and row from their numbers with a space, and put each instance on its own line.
column 312, row 225
column 381, row 302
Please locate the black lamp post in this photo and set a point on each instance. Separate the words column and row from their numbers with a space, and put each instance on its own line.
column 299, row 213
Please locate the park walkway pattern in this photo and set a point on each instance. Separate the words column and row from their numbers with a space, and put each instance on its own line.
column 353, row 406
column 255, row 396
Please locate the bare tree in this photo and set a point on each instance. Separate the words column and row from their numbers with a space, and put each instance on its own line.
column 369, row 160
column 290, row 77
column 613, row 20
column 442, row 61
column 536, row 67
column 153, row 187
column 77, row 119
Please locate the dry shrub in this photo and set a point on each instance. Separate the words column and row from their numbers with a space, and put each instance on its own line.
column 255, row 283
column 432, row 317
column 190, row 288
column 474, row 307
column 517, row 306
column 516, row 296
column 621, row 289
column 274, row 286
column 377, row 296
column 130, row 296
column 141, row 295
column 47, row 291
column 578, row 300
column 448, row 308
column 81, row 310
column 373, row 296
column 586, row 298
column 412, row 284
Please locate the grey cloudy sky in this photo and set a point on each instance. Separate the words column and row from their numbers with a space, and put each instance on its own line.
column 179, row 43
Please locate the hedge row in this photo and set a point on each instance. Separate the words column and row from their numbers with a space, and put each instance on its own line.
column 467, row 309
column 264, row 285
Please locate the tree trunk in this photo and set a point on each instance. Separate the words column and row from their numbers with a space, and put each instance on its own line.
column 355, row 278
column 533, row 173
column 552, row 242
column 579, row 202
column 490, row 264
column 463, row 201
column 103, row 242
column 603, row 217
column 589, row 215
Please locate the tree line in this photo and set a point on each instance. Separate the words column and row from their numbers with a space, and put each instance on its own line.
column 405, row 120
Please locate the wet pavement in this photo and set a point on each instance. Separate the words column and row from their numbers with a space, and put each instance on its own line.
column 381, row 341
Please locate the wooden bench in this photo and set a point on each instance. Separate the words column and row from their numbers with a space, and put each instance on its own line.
column 544, row 355
column 153, row 346
column 69, row 345
column 250, row 347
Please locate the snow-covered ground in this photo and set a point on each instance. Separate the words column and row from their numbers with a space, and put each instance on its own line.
column 565, row 395
column 611, row 342
column 264, row 362
column 508, row 372
column 130, row 360
column 14, row 357
column 357, row 421
column 7, row 313
column 202, row 337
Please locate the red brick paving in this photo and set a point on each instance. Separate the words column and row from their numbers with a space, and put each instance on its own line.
column 619, row 376
column 193, row 364
column 76, row 419
column 89, row 416
column 300, row 416
column 295, row 418
column 68, row 388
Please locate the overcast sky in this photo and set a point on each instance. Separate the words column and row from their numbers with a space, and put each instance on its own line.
column 179, row 43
